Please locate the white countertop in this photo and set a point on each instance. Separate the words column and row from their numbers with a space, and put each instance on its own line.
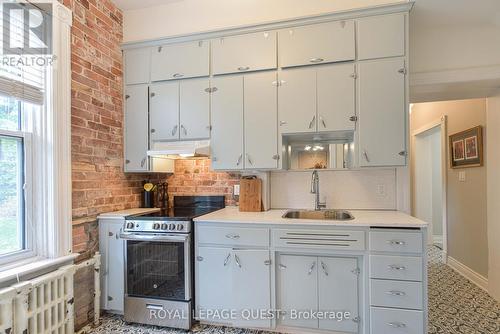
column 126, row 213
column 361, row 218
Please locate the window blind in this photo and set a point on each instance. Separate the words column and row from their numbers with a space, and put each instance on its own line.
column 22, row 72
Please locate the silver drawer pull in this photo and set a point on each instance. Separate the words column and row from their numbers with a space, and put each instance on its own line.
column 396, row 324
column 316, row 60
column 282, row 266
column 396, row 267
column 312, row 268
column 323, row 266
column 228, row 258
column 178, row 75
column 243, row 68
column 232, row 236
column 396, row 242
column 174, row 130
column 238, row 162
column 311, row 123
column 396, row 293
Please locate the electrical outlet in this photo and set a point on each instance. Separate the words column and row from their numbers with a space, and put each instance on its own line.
column 236, row 190
column 461, row 176
column 381, row 190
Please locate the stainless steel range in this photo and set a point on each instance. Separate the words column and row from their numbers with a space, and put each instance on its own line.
column 159, row 262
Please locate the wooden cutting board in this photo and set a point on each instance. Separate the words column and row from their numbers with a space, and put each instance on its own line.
column 250, row 195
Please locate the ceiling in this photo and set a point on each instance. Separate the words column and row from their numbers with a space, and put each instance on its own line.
column 135, row 4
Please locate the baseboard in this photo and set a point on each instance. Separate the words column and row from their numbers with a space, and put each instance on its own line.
column 468, row 273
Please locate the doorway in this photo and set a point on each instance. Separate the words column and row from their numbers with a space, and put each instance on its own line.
column 429, row 180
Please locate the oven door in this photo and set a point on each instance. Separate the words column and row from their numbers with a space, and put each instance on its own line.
column 158, row 266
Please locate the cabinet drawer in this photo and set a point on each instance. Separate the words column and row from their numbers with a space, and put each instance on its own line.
column 180, row 61
column 231, row 54
column 396, row 294
column 317, row 43
column 404, row 268
column 401, row 242
column 389, row 321
column 340, row 240
column 233, row 236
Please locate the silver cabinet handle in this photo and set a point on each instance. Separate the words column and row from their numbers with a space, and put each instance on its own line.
column 396, row 267
column 237, row 259
column 243, row 68
column 316, row 60
column 353, row 118
column 228, row 258
column 178, row 75
column 238, row 162
column 233, row 236
column 311, row 123
column 174, row 130
column 323, row 266
column 143, row 161
column 267, row 262
column 402, row 153
column 396, row 324
column 396, row 293
column 153, row 130
column 282, row 266
column 366, row 156
column 282, row 123
column 183, row 128
column 249, row 159
column 312, row 268
column 322, row 121
column 199, row 258
column 396, row 242
column 402, row 70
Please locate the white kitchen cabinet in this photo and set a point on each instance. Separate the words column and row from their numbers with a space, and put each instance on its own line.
column 251, row 268
column 297, row 100
column 115, row 271
column 260, row 120
column 297, row 289
column 382, row 113
column 136, row 128
column 336, row 93
column 317, row 43
column 136, row 65
column 213, row 282
column 194, row 109
column 164, row 111
column 242, row 53
column 226, row 140
column 381, row 36
column 180, row 61
column 338, row 291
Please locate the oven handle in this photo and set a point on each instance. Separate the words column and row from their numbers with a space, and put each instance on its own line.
column 142, row 237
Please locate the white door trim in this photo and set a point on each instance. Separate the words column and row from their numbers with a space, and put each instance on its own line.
column 441, row 122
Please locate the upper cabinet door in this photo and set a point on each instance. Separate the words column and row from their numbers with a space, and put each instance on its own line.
column 195, row 109
column 136, row 128
column 136, row 65
column 261, row 120
column 381, row 36
column 317, row 43
column 176, row 61
column 338, row 290
column 336, row 97
column 227, row 123
column 297, row 289
column 297, row 100
column 164, row 111
column 382, row 113
column 249, row 52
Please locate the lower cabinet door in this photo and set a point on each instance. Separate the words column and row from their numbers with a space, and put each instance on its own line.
column 116, row 269
column 251, row 288
column 297, row 293
column 213, row 284
column 338, row 294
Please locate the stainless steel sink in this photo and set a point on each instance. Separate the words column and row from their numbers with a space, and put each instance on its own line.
column 319, row 215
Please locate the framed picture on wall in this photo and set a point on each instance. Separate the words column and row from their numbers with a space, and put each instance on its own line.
column 466, row 148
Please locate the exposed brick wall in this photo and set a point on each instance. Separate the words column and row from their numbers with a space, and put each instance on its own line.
column 194, row 177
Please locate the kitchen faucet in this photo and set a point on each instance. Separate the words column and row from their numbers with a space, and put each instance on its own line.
column 315, row 190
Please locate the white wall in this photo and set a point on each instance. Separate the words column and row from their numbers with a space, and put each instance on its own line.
column 192, row 16
column 493, row 176
column 362, row 189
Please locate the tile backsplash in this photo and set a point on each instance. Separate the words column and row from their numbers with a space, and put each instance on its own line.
column 358, row 189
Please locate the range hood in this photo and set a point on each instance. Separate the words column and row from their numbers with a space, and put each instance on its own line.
column 180, row 149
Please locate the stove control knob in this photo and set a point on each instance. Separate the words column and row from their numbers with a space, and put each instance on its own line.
column 156, row 226
column 180, row 227
column 164, row 226
column 172, row 227
column 130, row 225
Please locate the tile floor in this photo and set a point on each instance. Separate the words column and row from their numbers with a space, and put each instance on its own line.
column 456, row 306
